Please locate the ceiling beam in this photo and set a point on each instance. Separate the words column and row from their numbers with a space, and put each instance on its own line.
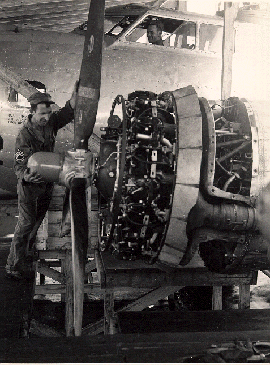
column 24, row 3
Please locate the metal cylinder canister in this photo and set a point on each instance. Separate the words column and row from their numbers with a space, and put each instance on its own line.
column 46, row 164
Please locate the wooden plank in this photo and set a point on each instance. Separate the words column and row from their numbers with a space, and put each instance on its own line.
column 61, row 289
column 100, row 269
column 110, row 322
column 52, row 254
column 217, row 297
column 54, row 230
column 57, row 243
column 42, row 234
column 121, row 273
column 151, row 298
column 244, row 296
column 139, row 304
column 55, row 217
column 154, row 278
column 94, row 328
column 45, row 269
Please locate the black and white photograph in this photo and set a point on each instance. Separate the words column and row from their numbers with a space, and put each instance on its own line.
column 134, row 181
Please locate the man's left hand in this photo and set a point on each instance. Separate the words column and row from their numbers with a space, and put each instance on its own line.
column 73, row 98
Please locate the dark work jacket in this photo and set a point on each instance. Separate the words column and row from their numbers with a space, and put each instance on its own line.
column 33, row 138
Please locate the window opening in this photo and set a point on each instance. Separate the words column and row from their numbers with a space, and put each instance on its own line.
column 176, row 33
column 210, row 38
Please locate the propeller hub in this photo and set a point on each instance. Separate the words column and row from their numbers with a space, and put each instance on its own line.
column 75, row 167
column 79, row 165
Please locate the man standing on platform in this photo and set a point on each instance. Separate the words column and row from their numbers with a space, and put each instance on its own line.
column 34, row 195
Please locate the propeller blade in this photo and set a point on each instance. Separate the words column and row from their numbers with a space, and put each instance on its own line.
column 84, row 121
column 79, row 238
column 90, row 76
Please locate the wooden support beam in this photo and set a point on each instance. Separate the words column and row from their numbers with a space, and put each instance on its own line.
column 230, row 14
column 217, row 297
column 94, row 328
column 52, row 254
column 45, row 269
column 61, row 289
column 244, row 296
column 110, row 321
column 100, row 269
column 150, row 298
column 152, row 277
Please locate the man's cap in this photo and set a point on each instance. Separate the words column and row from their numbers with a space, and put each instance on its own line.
column 157, row 22
column 38, row 98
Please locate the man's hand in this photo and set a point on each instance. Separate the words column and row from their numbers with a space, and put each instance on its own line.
column 32, row 177
column 73, row 98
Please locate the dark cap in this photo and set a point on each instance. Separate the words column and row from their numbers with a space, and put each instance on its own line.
column 38, row 98
column 157, row 22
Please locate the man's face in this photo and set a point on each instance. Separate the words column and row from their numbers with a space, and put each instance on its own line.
column 42, row 114
column 153, row 34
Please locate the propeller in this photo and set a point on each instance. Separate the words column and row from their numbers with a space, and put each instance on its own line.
column 77, row 168
column 84, row 121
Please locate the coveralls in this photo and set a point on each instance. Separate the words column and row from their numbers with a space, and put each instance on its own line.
column 33, row 198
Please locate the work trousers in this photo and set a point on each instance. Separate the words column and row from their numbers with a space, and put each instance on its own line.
column 33, row 203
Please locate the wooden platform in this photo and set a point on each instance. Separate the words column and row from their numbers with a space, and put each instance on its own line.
column 107, row 275
column 115, row 273
column 158, row 281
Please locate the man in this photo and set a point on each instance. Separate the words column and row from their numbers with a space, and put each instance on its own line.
column 154, row 32
column 34, row 195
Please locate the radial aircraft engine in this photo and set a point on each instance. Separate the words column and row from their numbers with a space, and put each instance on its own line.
column 176, row 172
column 177, row 175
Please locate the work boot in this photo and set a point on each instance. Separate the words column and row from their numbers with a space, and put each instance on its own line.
column 13, row 274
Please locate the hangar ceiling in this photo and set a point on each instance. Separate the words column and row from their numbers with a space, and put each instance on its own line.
column 56, row 15
column 66, row 15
